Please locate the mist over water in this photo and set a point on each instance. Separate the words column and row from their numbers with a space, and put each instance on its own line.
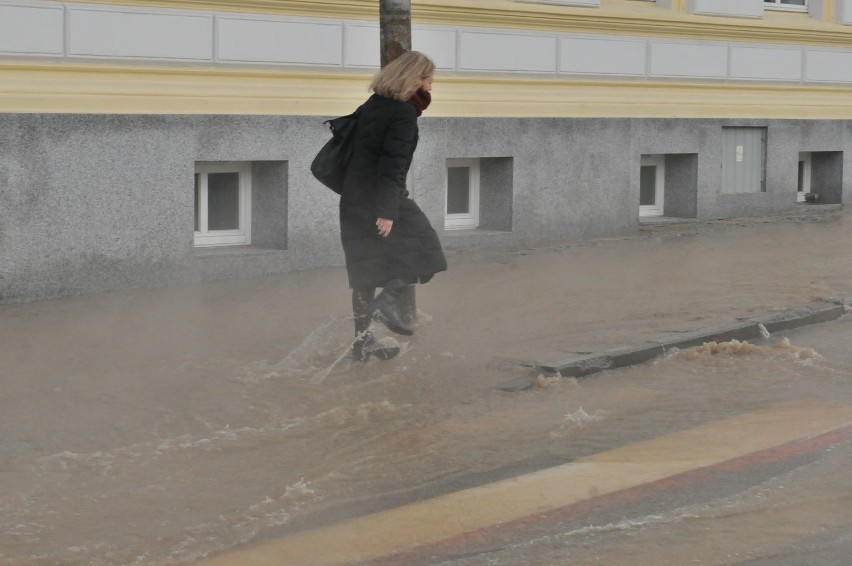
column 163, row 426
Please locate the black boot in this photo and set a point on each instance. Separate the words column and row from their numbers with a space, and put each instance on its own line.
column 386, row 308
column 361, row 345
column 364, row 344
column 408, row 305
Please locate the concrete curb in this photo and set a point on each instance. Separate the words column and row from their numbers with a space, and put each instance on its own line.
column 750, row 329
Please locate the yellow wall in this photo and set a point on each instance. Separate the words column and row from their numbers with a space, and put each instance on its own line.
column 101, row 89
column 66, row 87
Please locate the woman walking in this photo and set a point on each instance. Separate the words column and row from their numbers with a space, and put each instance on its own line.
column 387, row 240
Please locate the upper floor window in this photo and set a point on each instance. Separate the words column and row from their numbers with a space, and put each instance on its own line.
column 791, row 5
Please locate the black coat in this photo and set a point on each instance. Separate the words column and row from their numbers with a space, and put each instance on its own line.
column 374, row 188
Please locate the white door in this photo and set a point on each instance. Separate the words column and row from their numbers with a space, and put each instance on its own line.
column 651, row 185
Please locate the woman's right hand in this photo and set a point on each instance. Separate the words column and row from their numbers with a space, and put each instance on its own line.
column 384, row 225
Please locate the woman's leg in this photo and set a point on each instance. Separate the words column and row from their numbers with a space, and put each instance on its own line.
column 362, row 302
column 364, row 344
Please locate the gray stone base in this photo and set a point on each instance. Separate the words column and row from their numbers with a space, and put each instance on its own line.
column 98, row 202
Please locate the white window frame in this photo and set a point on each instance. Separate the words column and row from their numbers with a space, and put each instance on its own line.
column 776, row 5
column 239, row 237
column 658, row 161
column 804, row 157
column 466, row 221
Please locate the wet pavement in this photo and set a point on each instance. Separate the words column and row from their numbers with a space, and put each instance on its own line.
column 165, row 426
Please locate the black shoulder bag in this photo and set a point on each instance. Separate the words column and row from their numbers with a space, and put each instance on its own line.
column 329, row 166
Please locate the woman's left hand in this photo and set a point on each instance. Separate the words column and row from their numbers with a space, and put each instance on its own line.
column 384, row 225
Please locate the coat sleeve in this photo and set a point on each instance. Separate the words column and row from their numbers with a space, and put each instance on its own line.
column 397, row 149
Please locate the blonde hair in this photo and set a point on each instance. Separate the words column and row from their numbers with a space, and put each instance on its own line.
column 403, row 76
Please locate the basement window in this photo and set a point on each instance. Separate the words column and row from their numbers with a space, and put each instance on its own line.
column 462, row 194
column 222, row 204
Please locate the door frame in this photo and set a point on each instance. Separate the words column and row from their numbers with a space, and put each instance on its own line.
column 805, row 159
column 658, row 161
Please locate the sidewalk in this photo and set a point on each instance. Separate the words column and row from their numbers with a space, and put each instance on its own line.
column 568, row 301
column 492, row 309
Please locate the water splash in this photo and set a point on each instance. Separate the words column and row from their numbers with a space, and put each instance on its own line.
column 799, row 353
column 734, row 347
column 329, row 337
column 106, row 461
column 581, row 417
column 320, row 376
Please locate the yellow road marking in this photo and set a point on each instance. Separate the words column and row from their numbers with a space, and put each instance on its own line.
column 431, row 521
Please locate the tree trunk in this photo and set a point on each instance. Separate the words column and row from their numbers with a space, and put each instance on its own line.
column 395, row 25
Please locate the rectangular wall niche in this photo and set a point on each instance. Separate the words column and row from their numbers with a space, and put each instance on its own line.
column 479, row 194
column 496, row 193
column 668, row 185
column 743, row 160
column 241, row 203
column 827, row 176
column 269, row 204
column 681, row 186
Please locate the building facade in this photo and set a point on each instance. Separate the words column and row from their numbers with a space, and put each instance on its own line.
column 153, row 142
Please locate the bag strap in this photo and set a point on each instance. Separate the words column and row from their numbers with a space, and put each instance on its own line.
column 334, row 124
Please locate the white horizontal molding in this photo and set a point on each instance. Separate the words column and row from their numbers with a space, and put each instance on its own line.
column 273, row 40
column 828, row 65
column 732, row 8
column 689, row 60
column 498, row 51
column 147, row 34
column 31, row 30
column 766, row 63
column 602, row 56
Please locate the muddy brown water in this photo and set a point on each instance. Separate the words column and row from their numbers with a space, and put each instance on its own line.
column 793, row 514
column 162, row 426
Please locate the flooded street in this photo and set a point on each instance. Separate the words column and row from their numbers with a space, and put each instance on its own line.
column 167, row 426
column 792, row 511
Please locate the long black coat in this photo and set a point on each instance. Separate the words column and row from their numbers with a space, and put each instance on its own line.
column 374, row 188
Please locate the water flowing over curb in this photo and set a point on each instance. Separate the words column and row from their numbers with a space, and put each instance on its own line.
column 752, row 329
